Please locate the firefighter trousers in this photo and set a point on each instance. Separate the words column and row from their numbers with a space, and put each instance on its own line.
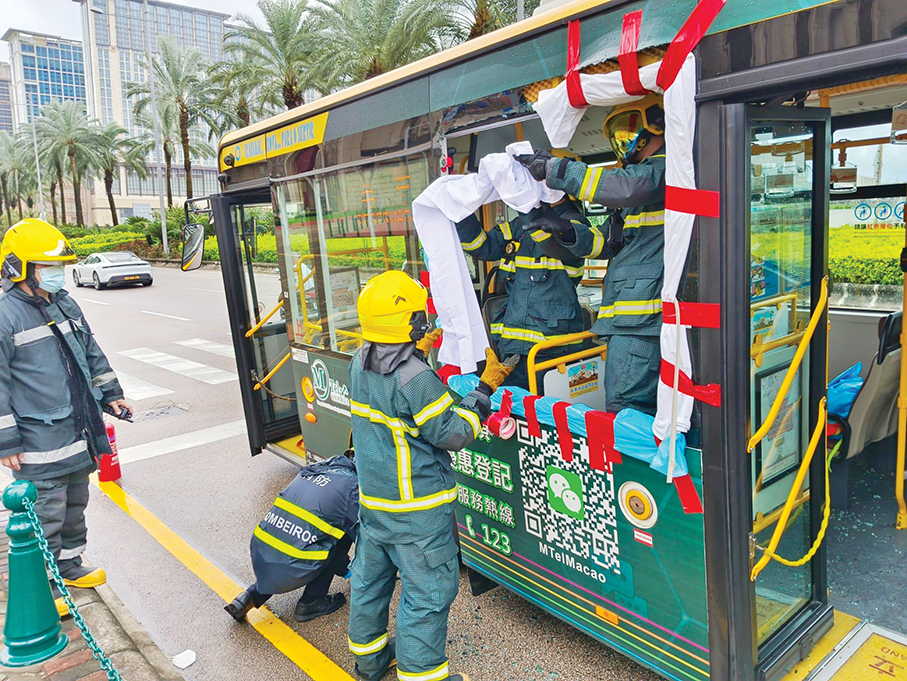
column 61, row 509
column 429, row 580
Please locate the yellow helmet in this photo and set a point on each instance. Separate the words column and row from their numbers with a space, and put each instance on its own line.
column 629, row 127
column 32, row 241
column 393, row 308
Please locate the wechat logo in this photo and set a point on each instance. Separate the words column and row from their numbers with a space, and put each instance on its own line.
column 565, row 492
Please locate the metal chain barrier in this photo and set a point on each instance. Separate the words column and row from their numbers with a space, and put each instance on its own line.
column 103, row 660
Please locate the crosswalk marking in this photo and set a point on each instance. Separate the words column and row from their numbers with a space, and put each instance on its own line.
column 168, row 316
column 136, row 389
column 208, row 346
column 177, row 443
column 178, row 365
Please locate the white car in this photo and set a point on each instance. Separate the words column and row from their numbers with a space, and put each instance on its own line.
column 116, row 268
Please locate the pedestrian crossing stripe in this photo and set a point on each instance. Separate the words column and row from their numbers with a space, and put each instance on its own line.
column 136, row 389
column 178, row 365
column 208, row 346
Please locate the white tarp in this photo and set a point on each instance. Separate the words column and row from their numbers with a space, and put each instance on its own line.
column 448, row 200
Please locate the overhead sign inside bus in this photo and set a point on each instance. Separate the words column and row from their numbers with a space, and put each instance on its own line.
column 285, row 140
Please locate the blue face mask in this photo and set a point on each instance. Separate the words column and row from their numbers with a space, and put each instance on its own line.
column 52, row 278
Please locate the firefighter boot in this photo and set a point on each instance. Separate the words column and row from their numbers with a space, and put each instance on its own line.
column 241, row 605
column 62, row 608
column 318, row 608
column 392, row 647
column 82, row 577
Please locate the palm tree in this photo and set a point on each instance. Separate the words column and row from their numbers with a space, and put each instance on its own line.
column 115, row 148
column 241, row 93
column 65, row 129
column 182, row 84
column 275, row 55
column 8, row 147
column 17, row 172
column 360, row 39
column 170, row 135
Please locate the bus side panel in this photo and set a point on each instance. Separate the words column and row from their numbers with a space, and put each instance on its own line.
column 552, row 531
column 323, row 404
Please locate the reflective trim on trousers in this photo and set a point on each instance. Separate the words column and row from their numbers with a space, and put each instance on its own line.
column 68, row 554
column 436, row 674
column 367, row 649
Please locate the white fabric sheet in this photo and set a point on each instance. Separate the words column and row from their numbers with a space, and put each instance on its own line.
column 445, row 202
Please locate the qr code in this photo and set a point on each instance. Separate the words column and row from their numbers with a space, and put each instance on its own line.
column 568, row 505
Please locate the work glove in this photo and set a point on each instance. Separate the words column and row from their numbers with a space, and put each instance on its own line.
column 495, row 371
column 536, row 163
column 549, row 221
column 427, row 341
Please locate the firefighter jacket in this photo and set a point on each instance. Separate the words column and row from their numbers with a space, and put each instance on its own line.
column 541, row 290
column 631, row 290
column 405, row 423
column 39, row 416
column 308, row 518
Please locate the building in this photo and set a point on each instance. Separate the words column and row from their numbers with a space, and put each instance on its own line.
column 6, row 98
column 44, row 67
column 113, row 33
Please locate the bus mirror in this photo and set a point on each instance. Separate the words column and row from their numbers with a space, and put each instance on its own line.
column 193, row 246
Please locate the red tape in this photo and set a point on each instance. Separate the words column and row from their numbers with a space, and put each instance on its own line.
column 710, row 394
column 693, row 201
column 689, row 497
column 627, row 58
column 699, row 315
column 506, row 403
column 425, row 279
column 600, row 436
column 686, row 40
column 574, row 86
column 446, row 371
column 532, row 420
column 564, row 437
column 430, row 304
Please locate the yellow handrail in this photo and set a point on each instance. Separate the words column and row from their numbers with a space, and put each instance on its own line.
column 272, row 372
column 792, row 370
column 764, row 522
column 531, row 367
column 769, row 554
column 251, row 332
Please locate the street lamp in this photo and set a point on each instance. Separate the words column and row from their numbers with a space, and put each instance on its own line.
column 155, row 123
column 34, row 139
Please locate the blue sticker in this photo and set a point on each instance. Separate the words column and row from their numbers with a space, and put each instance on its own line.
column 863, row 212
column 883, row 211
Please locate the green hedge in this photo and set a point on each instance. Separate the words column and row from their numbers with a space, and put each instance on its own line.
column 99, row 243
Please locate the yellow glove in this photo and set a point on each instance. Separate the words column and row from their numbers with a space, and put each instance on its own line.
column 495, row 370
column 428, row 340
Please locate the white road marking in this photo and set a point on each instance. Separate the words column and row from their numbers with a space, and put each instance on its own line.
column 178, row 365
column 168, row 316
column 136, row 389
column 206, row 290
column 208, row 346
column 96, row 302
column 177, row 443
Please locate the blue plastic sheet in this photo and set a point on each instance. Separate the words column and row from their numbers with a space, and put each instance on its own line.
column 632, row 429
column 843, row 390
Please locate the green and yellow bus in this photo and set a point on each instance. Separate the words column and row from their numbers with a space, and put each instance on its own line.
column 794, row 146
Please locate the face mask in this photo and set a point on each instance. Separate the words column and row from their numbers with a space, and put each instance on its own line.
column 52, row 278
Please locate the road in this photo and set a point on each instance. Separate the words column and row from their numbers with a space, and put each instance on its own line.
column 186, row 460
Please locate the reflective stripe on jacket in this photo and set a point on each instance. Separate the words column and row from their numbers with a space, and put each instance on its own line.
column 405, row 424
column 542, row 303
column 37, row 414
column 631, row 289
column 307, row 519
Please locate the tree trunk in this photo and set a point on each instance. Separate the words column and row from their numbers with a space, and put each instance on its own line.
column 53, row 199
column 292, row 97
column 19, row 206
column 9, row 215
column 108, row 185
column 59, row 168
column 167, row 164
column 187, row 158
column 76, row 188
column 242, row 111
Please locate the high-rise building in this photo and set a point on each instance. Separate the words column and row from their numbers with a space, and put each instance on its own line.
column 113, row 33
column 6, row 98
column 44, row 67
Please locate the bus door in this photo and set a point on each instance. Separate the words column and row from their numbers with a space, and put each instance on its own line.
column 787, row 154
column 255, row 301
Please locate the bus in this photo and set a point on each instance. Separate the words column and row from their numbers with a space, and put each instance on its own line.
column 784, row 123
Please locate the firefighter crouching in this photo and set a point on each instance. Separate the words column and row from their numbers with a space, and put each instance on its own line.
column 404, row 425
column 304, row 540
column 630, row 313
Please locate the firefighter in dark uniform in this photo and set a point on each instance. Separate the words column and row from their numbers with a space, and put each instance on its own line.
column 305, row 539
column 630, row 314
column 539, row 278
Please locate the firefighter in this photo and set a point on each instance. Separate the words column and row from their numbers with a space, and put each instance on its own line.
column 305, row 540
column 630, row 314
column 53, row 380
column 404, row 425
column 539, row 278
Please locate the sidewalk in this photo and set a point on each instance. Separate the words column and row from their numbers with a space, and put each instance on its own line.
column 121, row 637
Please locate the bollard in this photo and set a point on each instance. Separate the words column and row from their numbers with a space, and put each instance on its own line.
column 32, row 633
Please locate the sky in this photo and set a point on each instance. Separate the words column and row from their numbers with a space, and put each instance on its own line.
column 61, row 17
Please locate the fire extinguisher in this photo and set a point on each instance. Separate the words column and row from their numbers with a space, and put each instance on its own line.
column 110, row 463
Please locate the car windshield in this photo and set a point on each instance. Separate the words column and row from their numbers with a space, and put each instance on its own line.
column 123, row 256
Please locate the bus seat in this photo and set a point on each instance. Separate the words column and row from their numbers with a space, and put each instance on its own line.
column 874, row 416
column 589, row 317
column 490, row 309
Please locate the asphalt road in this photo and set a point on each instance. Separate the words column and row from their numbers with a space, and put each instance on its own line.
column 212, row 493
